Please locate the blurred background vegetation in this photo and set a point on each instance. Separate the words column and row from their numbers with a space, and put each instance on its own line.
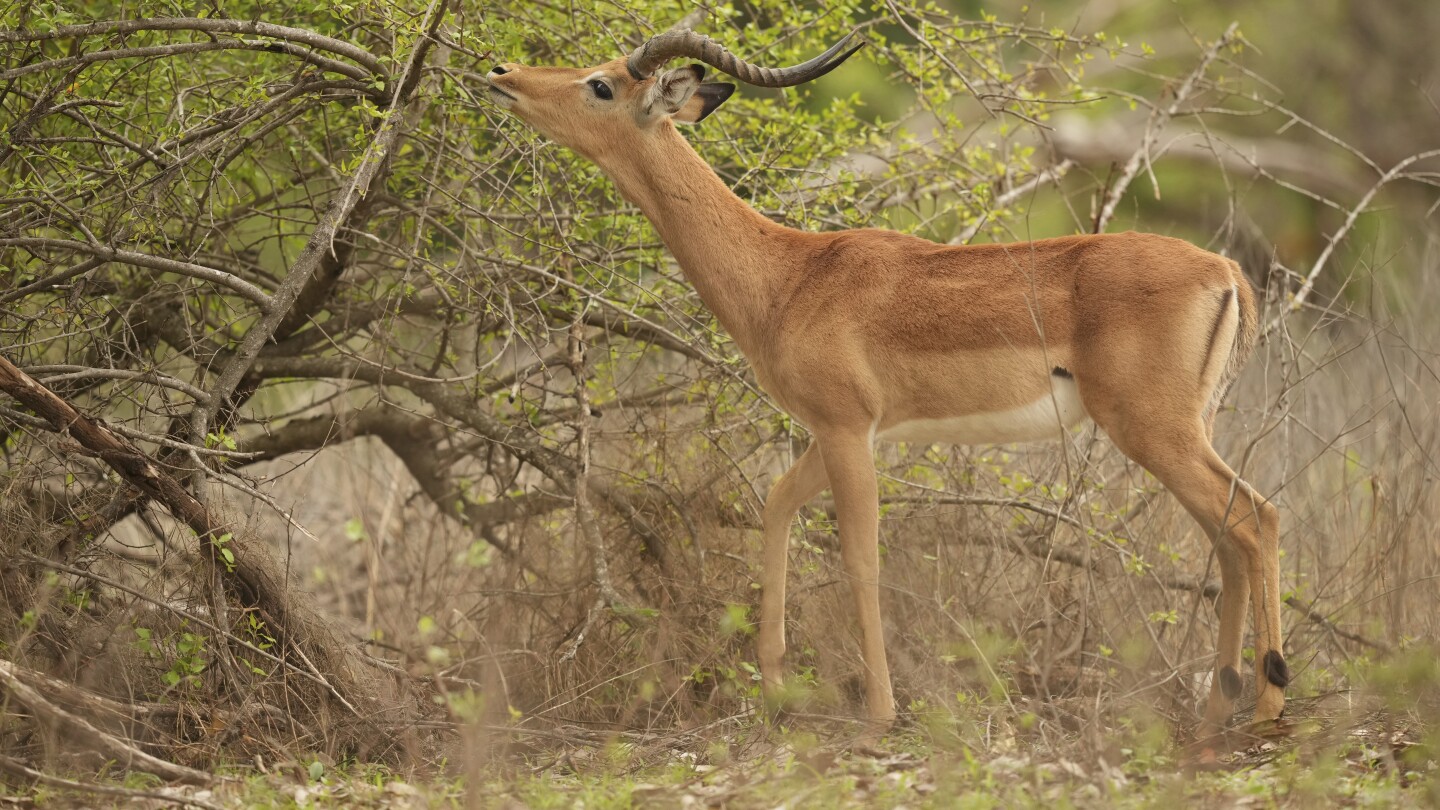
column 480, row 478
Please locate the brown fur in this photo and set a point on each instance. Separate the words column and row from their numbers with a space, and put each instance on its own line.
column 856, row 331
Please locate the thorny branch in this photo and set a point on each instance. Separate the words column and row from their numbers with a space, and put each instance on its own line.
column 321, row 242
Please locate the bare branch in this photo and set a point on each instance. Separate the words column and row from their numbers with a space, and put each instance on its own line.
column 180, row 49
column 64, row 373
column 1298, row 300
column 212, row 25
column 413, row 440
column 213, row 275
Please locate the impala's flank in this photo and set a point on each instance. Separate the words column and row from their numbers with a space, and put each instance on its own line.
column 871, row 334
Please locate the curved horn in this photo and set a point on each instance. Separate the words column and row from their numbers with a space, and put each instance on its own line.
column 675, row 44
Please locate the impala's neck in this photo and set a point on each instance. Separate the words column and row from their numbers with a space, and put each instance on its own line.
column 728, row 250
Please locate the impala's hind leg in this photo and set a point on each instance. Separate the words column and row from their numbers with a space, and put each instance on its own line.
column 1226, row 685
column 803, row 481
column 1246, row 530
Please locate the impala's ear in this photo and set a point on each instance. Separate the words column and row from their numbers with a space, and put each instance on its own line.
column 707, row 97
column 672, row 89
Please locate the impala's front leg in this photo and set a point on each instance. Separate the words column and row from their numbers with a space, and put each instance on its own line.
column 850, row 464
column 803, row 481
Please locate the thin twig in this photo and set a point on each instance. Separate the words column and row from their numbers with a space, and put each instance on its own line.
column 585, row 528
column 1159, row 117
column 959, row 74
column 1051, row 174
column 1298, row 301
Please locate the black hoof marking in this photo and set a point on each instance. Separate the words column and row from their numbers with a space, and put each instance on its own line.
column 1275, row 669
column 1230, row 682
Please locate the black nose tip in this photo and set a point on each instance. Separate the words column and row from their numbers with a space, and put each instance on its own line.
column 499, row 70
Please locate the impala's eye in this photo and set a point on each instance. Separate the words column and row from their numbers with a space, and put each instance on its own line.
column 600, row 89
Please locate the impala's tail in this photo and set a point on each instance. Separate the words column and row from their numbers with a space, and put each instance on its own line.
column 1231, row 340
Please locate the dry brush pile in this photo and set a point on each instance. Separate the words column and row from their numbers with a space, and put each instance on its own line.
column 340, row 413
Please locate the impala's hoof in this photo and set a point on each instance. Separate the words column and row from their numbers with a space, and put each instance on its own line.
column 1204, row 759
column 1276, row 729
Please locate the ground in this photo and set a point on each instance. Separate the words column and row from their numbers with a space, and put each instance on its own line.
column 1333, row 752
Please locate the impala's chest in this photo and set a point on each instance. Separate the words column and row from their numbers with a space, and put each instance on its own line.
column 1045, row 418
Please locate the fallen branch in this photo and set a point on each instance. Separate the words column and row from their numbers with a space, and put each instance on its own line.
column 126, row 754
column 255, row 577
column 15, row 767
column 90, row 703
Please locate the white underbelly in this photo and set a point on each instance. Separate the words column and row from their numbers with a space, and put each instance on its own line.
column 1047, row 418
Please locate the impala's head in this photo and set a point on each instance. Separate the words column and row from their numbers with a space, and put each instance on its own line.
column 593, row 110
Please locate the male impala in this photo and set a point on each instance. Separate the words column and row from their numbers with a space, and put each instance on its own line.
column 871, row 334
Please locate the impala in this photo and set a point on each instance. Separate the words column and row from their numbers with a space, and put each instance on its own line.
column 866, row 335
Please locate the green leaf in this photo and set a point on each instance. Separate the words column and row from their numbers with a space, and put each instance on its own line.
column 355, row 530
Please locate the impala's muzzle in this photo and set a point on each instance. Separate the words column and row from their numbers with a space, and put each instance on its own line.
column 495, row 81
